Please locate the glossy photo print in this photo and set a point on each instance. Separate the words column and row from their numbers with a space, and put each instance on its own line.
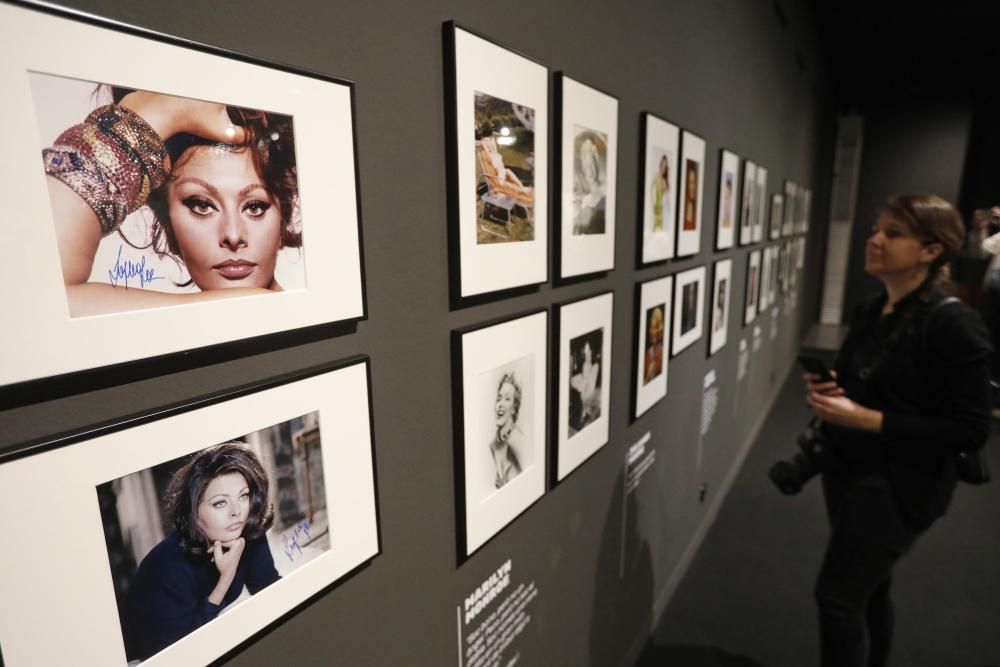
column 748, row 204
column 585, row 353
column 729, row 211
column 652, row 354
column 159, row 200
column 689, row 305
column 191, row 537
column 590, row 180
column 722, row 286
column 506, row 403
column 692, row 179
column 652, row 343
column 505, row 170
column 659, row 189
column 752, row 287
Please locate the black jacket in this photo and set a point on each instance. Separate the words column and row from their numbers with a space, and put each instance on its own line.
column 932, row 386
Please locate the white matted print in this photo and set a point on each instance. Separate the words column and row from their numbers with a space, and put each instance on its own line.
column 691, row 194
column 752, row 287
column 792, row 208
column 689, row 308
column 500, row 199
column 589, row 169
column 777, row 213
column 584, row 349
column 800, row 252
column 295, row 239
column 764, row 299
column 653, row 325
column 725, row 229
column 502, row 444
column 772, row 279
column 659, row 188
column 277, row 486
column 748, row 205
column 760, row 220
column 719, row 305
column 806, row 210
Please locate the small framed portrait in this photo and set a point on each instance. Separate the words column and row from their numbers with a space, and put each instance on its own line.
column 721, row 288
column 748, row 203
column 587, row 170
column 752, row 287
column 760, row 220
column 691, row 194
column 583, row 360
column 186, row 532
column 653, row 299
column 764, row 299
column 800, row 252
column 166, row 205
column 500, row 387
column 807, row 197
column 777, row 215
column 658, row 188
column 498, row 165
column 689, row 307
column 792, row 208
column 775, row 273
column 725, row 226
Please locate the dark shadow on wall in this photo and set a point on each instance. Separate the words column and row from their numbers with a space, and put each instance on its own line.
column 692, row 656
column 623, row 606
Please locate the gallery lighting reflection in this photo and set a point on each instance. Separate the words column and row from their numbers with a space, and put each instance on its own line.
column 505, row 141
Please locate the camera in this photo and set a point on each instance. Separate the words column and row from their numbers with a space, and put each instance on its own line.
column 790, row 476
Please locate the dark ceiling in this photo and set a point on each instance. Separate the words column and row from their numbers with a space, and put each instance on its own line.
column 879, row 50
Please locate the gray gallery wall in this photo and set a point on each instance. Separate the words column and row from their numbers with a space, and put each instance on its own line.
column 910, row 146
column 745, row 76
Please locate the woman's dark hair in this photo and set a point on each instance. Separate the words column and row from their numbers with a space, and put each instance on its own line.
column 508, row 378
column 187, row 487
column 933, row 220
column 269, row 139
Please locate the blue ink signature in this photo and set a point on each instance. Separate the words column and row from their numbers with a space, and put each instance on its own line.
column 129, row 269
column 292, row 544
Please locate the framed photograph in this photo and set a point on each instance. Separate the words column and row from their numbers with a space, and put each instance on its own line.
column 764, row 299
column 800, row 252
column 725, row 227
column 652, row 323
column 498, row 165
column 689, row 306
column 760, row 220
column 658, row 188
column 806, row 209
column 792, row 208
column 691, row 194
column 500, row 388
column 583, row 360
column 587, row 170
column 184, row 532
column 772, row 280
column 748, row 207
column 752, row 287
column 721, row 289
column 166, row 205
column 777, row 214
column 783, row 266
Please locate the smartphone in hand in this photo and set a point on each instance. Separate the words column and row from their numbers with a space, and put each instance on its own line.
column 816, row 367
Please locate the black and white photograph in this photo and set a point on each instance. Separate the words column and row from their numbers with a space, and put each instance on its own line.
column 721, row 288
column 500, row 450
column 189, row 530
column 792, row 209
column 169, row 204
column 777, row 215
column 764, row 298
column 652, row 326
column 658, row 189
column 689, row 308
column 748, row 205
column 760, row 219
column 752, row 287
column 773, row 277
column 497, row 122
column 232, row 519
column 729, row 212
column 588, row 155
column 584, row 356
column 691, row 194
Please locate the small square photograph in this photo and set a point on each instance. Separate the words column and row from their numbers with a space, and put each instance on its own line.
column 505, row 170
column 652, row 354
column 506, row 406
column 749, row 203
column 729, row 210
column 190, row 538
column 590, row 180
column 720, row 305
column 689, row 306
column 585, row 380
column 653, row 309
column 157, row 198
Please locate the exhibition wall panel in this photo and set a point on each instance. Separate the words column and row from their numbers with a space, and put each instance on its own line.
column 599, row 553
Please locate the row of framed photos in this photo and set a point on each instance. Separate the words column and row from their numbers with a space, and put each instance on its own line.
column 498, row 172
column 500, row 369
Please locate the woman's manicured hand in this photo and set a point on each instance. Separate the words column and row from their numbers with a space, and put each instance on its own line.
column 227, row 556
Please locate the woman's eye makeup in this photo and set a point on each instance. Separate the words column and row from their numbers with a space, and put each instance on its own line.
column 199, row 205
column 256, row 208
